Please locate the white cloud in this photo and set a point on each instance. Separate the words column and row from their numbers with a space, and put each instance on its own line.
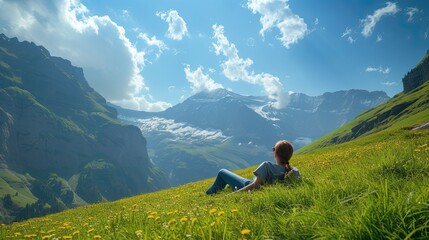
column 371, row 20
column 316, row 21
column 236, row 69
column 410, row 12
column 200, row 81
column 176, row 25
column 153, row 41
column 379, row 70
column 379, row 38
column 350, row 39
column 276, row 13
column 111, row 63
column 142, row 104
column 389, row 83
column 347, row 32
column 125, row 13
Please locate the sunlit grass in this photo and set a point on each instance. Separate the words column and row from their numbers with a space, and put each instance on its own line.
column 365, row 189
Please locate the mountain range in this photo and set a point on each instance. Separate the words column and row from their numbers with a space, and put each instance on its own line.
column 221, row 129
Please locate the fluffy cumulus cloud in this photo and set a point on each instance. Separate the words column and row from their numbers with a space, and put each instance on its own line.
column 371, row 21
column 176, row 25
column 277, row 13
column 111, row 63
column 200, row 81
column 379, row 70
column 236, row 68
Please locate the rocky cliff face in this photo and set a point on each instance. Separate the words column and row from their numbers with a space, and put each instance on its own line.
column 418, row 75
column 52, row 123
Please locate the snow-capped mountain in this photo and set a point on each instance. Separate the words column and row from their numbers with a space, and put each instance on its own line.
column 186, row 140
column 248, row 118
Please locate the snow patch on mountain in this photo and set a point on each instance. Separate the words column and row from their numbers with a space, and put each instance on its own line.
column 260, row 110
column 177, row 131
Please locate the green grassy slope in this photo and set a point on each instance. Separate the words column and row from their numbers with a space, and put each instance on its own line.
column 402, row 111
column 372, row 187
column 362, row 189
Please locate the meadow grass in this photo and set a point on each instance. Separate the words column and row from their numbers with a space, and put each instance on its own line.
column 375, row 187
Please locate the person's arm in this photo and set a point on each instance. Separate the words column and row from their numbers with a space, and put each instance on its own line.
column 253, row 185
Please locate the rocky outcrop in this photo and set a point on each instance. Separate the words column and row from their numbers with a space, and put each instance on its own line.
column 418, row 75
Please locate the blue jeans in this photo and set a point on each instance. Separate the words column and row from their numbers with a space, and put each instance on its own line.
column 225, row 177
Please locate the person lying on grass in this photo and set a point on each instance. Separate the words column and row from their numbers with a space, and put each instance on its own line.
column 266, row 173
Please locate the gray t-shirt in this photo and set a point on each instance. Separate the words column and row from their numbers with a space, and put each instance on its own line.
column 270, row 172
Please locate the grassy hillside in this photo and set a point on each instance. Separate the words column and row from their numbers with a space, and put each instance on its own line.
column 372, row 187
column 403, row 111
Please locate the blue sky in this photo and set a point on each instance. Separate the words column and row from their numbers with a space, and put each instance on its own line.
column 149, row 55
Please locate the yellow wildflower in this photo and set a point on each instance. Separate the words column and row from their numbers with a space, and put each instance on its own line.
column 213, row 210
column 157, row 217
column 67, row 237
column 76, row 233
column 150, row 216
column 169, row 213
column 220, row 213
column 194, row 220
column 46, row 237
column 245, row 231
column 90, row 230
column 172, row 221
column 97, row 237
column 234, row 210
column 184, row 219
column 51, row 231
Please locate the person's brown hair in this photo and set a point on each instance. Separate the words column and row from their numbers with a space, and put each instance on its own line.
column 284, row 150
